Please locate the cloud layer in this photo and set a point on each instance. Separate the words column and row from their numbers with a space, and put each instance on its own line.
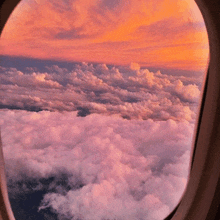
column 131, row 92
column 96, row 167
column 96, row 141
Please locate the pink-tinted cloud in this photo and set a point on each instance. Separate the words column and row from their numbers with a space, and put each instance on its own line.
column 114, row 168
column 131, row 92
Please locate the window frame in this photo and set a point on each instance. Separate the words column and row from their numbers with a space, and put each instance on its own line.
column 201, row 197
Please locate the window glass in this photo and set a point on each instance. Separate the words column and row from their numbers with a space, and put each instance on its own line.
column 99, row 102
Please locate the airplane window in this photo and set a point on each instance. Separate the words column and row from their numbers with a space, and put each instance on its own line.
column 99, row 105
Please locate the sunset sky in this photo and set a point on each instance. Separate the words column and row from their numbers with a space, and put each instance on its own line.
column 163, row 33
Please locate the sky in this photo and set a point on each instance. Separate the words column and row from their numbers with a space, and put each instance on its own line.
column 99, row 102
column 162, row 33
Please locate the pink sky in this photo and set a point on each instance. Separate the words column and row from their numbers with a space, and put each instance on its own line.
column 162, row 33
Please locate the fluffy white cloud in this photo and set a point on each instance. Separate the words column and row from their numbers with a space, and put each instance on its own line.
column 114, row 168
column 131, row 92
column 189, row 92
column 101, row 165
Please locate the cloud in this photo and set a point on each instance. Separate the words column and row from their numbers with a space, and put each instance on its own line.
column 189, row 92
column 129, row 91
column 135, row 66
column 99, row 166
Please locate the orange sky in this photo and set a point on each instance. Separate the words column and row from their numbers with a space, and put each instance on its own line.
column 159, row 33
